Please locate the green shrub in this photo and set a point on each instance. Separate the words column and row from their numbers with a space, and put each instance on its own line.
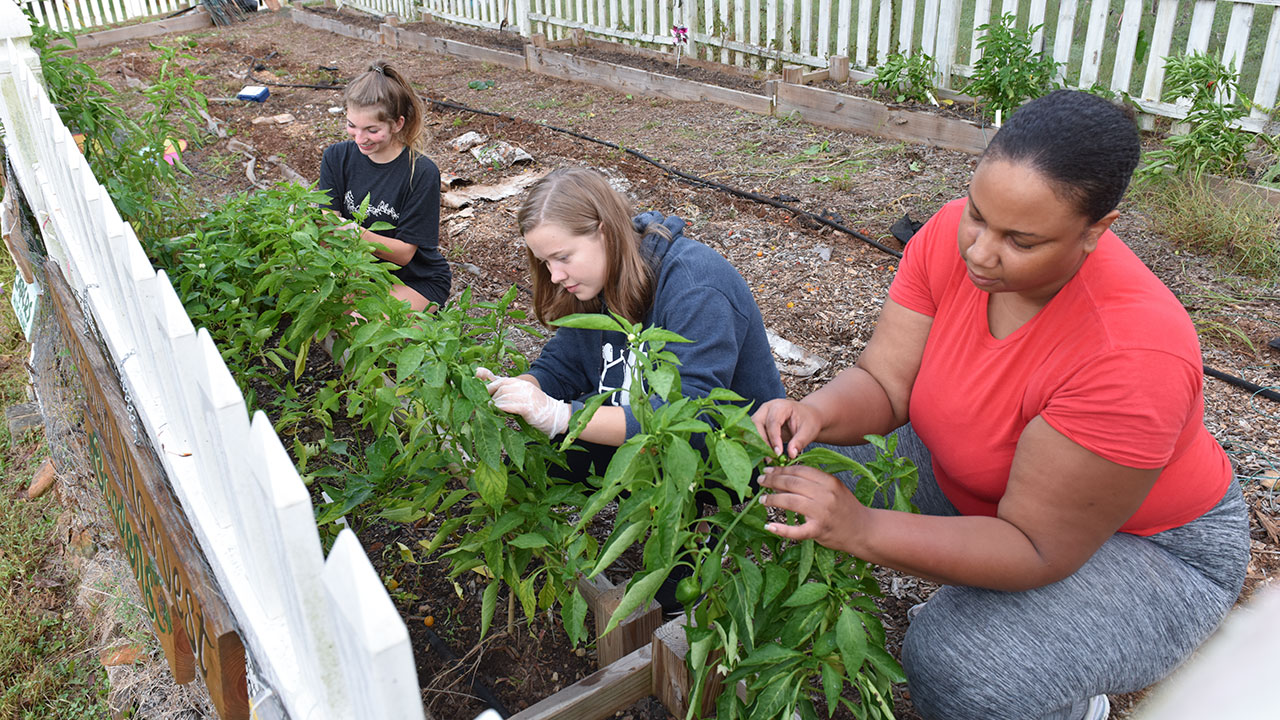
column 906, row 78
column 1009, row 73
column 1213, row 143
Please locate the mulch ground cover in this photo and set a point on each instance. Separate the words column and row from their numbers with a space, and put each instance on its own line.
column 817, row 287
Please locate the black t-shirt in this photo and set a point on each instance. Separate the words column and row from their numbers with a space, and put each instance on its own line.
column 405, row 193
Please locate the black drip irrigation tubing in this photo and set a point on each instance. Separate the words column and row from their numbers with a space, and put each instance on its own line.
column 697, row 180
column 1257, row 390
column 480, row 689
column 756, row 197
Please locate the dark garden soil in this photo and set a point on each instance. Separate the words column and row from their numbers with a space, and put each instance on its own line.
column 816, row 287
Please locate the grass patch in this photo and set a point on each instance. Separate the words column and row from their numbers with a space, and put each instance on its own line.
column 1240, row 233
column 47, row 669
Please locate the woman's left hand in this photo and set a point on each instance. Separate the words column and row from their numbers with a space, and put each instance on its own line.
column 831, row 512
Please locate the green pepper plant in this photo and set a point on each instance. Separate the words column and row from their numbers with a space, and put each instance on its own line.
column 791, row 619
column 906, row 78
column 1213, row 142
column 127, row 155
column 1009, row 72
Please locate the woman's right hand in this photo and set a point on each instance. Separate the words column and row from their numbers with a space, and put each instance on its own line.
column 787, row 423
column 521, row 397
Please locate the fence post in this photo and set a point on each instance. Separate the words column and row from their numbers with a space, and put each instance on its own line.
column 838, row 68
column 373, row 642
column 15, row 28
column 522, row 18
column 945, row 45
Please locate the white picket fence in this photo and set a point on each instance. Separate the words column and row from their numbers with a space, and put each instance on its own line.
column 404, row 9
column 74, row 15
column 1119, row 44
column 323, row 633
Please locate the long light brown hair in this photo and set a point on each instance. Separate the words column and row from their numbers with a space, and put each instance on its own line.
column 385, row 90
column 582, row 202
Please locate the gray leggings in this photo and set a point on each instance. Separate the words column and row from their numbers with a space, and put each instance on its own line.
column 1124, row 620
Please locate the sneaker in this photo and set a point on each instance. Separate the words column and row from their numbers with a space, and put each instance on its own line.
column 1098, row 708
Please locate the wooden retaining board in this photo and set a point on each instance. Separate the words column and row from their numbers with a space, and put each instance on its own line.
column 443, row 46
column 600, row 694
column 846, row 112
column 628, row 79
column 1230, row 189
column 821, row 107
column 190, row 617
column 670, row 59
column 320, row 22
column 197, row 20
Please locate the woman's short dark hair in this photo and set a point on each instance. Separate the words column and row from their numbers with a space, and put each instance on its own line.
column 1086, row 146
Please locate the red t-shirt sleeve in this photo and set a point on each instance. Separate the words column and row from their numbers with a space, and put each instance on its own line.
column 927, row 262
column 1127, row 406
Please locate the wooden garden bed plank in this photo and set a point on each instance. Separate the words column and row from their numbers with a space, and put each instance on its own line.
column 465, row 51
column 197, row 20
column 192, row 621
column 320, row 22
column 1229, row 189
column 628, row 79
column 600, row 694
column 846, row 112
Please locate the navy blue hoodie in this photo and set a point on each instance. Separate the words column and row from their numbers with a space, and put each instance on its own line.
column 697, row 294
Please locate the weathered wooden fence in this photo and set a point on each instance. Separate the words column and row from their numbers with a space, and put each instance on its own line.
column 322, row 633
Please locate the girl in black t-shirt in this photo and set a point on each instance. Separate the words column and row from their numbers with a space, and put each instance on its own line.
column 381, row 162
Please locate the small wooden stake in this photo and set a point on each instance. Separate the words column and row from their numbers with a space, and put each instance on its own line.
column 388, row 35
column 671, row 680
column 839, row 68
column 43, row 480
column 793, row 74
column 632, row 633
column 538, row 40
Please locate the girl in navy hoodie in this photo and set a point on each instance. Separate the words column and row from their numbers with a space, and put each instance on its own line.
column 588, row 253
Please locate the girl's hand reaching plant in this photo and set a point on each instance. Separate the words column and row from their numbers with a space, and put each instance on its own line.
column 523, row 398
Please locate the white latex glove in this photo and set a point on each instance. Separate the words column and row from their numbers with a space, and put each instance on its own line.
column 527, row 400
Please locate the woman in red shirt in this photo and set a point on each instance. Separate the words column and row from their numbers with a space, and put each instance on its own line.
column 1085, row 525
